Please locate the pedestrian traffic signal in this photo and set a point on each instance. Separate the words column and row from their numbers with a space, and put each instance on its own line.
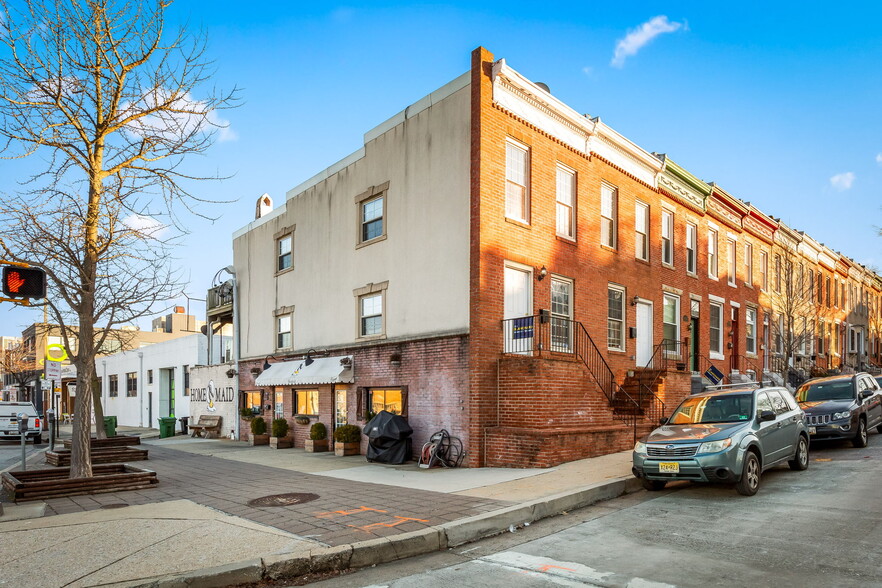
column 24, row 282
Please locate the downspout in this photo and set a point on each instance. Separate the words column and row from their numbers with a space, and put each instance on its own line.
column 236, row 350
column 141, row 389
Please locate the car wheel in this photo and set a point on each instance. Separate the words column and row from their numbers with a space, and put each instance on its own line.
column 800, row 460
column 860, row 440
column 750, row 475
column 879, row 429
column 653, row 485
column 38, row 439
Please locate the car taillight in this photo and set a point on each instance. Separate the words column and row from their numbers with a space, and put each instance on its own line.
column 37, row 423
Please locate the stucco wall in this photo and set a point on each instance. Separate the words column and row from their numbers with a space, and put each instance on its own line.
column 214, row 393
column 425, row 257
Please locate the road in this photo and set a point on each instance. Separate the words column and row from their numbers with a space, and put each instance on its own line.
column 821, row 527
column 10, row 452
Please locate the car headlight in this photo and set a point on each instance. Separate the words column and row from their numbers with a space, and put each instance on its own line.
column 640, row 448
column 842, row 415
column 714, row 446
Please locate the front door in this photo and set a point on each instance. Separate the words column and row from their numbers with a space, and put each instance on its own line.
column 518, row 310
column 644, row 332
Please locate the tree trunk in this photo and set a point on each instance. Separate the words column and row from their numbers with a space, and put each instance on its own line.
column 80, row 456
column 100, row 432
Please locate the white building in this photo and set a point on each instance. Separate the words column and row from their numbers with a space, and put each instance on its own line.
column 141, row 385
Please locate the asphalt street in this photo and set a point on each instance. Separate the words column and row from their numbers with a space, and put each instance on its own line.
column 10, row 452
column 821, row 527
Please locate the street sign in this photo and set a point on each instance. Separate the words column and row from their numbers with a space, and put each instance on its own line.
column 53, row 370
column 71, row 389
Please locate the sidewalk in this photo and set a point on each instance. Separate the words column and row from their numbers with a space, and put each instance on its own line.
column 202, row 522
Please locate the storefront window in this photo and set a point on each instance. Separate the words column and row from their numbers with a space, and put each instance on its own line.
column 307, row 402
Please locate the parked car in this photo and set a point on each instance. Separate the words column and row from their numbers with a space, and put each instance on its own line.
column 725, row 436
column 9, row 412
column 842, row 407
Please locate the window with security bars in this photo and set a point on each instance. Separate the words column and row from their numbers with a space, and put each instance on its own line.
column 566, row 196
column 608, row 215
column 615, row 321
column 516, row 189
column 561, row 315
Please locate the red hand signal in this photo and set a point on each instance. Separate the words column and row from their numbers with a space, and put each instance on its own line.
column 14, row 281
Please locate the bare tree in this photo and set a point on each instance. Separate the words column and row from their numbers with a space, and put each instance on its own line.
column 19, row 362
column 99, row 89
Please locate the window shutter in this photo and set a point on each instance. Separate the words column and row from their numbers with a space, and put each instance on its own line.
column 404, row 401
column 360, row 393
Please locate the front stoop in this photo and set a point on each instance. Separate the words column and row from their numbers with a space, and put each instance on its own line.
column 521, row 447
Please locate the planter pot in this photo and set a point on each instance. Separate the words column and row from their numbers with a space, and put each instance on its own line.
column 347, row 448
column 281, row 442
column 301, row 420
column 259, row 440
column 316, row 446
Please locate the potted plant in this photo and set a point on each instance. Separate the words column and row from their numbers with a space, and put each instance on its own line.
column 347, row 440
column 301, row 419
column 246, row 413
column 279, row 438
column 258, row 432
column 318, row 438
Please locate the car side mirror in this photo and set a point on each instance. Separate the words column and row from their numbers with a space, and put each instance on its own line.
column 866, row 394
column 766, row 415
column 663, row 421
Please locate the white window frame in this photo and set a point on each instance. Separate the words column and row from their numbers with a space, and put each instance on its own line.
column 764, row 271
column 641, row 230
column 620, row 327
column 566, row 202
column 609, row 213
column 517, row 180
column 713, row 253
column 692, row 249
column 375, row 193
column 281, row 254
column 748, row 264
column 668, row 297
column 561, row 322
column 732, row 255
column 667, row 237
column 376, row 312
column 716, row 352
column 750, row 330
column 280, row 319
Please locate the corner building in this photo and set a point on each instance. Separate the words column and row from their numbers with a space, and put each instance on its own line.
column 496, row 264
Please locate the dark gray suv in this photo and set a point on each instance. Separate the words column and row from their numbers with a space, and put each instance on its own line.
column 725, row 436
column 842, row 407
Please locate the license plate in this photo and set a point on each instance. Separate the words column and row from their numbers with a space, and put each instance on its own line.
column 813, row 431
column 669, row 467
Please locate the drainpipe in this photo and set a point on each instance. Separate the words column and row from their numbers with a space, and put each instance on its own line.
column 141, row 389
column 232, row 271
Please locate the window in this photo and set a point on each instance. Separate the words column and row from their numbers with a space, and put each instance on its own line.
column 113, row 386
column 131, row 384
column 716, row 330
column 691, row 248
column 748, row 264
column 371, row 315
column 149, row 376
column 615, row 322
column 671, row 320
column 799, row 291
column 732, row 261
column 764, row 270
column 667, row 233
column 252, row 400
column 609, row 197
column 803, row 335
column 852, row 340
column 821, row 328
column 763, row 403
column 186, row 380
column 811, row 285
column 283, row 253
column 371, row 219
column 828, row 291
column 340, row 414
column 712, row 263
column 778, row 402
column 392, row 400
column 307, row 402
column 641, row 228
column 279, row 412
column 561, row 315
column 566, row 196
column 777, row 273
column 750, row 321
column 516, row 190
column 283, row 332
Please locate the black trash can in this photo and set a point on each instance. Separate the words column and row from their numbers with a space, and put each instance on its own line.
column 388, row 439
column 185, row 423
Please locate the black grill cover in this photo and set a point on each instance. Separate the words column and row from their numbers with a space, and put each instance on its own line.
column 386, row 425
column 388, row 439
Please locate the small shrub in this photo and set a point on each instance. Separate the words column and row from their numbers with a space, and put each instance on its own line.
column 280, row 427
column 347, row 434
column 318, row 431
column 246, row 413
column 258, row 426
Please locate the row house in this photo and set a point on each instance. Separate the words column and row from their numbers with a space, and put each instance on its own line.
column 494, row 263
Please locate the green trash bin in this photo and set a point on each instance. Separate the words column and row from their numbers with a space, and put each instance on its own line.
column 110, row 426
column 166, row 427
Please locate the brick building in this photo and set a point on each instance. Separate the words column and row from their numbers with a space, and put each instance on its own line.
column 496, row 264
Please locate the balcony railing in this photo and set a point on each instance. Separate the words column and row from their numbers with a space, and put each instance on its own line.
column 219, row 300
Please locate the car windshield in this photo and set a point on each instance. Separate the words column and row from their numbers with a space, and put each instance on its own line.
column 819, row 391
column 725, row 408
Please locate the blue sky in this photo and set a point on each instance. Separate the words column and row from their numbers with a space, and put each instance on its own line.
column 776, row 102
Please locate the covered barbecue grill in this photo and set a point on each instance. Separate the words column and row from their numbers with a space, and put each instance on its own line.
column 388, row 438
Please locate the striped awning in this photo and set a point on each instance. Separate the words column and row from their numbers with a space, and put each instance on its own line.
column 323, row 370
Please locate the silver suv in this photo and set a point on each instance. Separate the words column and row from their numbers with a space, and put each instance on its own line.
column 725, row 436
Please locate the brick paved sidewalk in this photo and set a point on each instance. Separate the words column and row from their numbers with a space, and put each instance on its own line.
column 344, row 512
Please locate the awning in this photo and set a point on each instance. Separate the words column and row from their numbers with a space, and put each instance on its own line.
column 322, row 370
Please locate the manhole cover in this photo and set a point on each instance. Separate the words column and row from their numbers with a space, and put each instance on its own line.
column 283, row 499
column 114, row 505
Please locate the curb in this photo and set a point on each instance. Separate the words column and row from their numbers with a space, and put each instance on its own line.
column 387, row 549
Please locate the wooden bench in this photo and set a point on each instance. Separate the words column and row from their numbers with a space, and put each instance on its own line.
column 208, row 424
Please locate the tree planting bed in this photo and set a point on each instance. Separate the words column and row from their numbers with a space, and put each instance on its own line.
column 61, row 457
column 55, row 483
column 117, row 441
